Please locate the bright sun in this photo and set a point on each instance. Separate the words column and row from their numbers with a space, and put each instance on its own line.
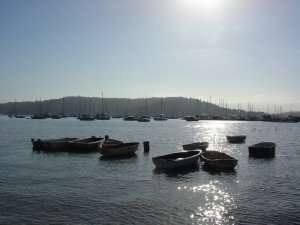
column 204, row 4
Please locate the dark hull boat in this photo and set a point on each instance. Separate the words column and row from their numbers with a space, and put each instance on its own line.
column 144, row 119
column 218, row 160
column 52, row 144
column 177, row 160
column 107, row 143
column 262, row 150
column 130, row 118
column 197, row 145
column 86, row 145
column 86, row 118
column 20, row 116
column 102, row 116
column 39, row 116
column 161, row 117
column 191, row 118
column 119, row 150
column 236, row 139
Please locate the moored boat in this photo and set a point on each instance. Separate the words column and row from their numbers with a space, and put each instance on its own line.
column 60, row 144
column 191, row 118
column 86, row 117
column 130, row 118
column 102, row 116
column 218, row 160
column 85, row 145
column 197, row 145
column 177, row 160
column 20, row 116
column 262, row 150
column 236, row 139
column 161, row 117
column 119, row 150
column 144, row 119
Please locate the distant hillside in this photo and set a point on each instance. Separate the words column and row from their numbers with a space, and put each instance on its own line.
column 171, row 106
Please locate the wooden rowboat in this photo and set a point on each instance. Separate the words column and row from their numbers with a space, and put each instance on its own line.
column 177, row 160
column 108, row 142
column 236, row 139
column 86, row 144
column 119, row 150
column 218, row 160
column 262, row 150
column 52, row 144
column 197, row 145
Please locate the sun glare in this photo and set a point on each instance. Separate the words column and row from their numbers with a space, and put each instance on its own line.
column 204, row 5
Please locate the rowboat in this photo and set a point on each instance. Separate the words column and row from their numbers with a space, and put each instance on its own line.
column 144, row 119
column 236, row 139
column 85, row 145
column 52, row 144
column 177, row 160
column 191, row 118
column 108, row 142
column 197, row 145
column 119, row 150
column 218, row 160
column 262, row 150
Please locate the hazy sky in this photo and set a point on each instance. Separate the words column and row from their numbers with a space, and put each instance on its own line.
column 239, row 50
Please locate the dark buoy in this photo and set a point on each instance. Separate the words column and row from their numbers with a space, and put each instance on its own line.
column 146, row 146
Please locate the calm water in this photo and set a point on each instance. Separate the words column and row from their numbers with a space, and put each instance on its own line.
column 62, row 188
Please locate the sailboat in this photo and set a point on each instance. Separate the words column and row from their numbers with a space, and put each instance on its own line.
column 145, row 117
column 102, row 115
column 161, row 117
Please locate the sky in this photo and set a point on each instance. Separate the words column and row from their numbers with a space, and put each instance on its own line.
column 238, row 50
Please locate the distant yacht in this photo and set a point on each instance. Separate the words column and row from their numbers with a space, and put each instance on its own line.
column 102, row 115
column 161, row 117
column 85, row 117
column 144, row 119
column 130, row 118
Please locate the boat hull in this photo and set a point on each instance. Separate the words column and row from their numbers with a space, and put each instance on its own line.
column 236, row 139
column 194, row 146
column 262, row 150
column 165, row 163
column 218, row 160
column 52, row 145
column 119, row 150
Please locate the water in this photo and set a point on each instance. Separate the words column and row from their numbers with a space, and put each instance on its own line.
column 62, row 188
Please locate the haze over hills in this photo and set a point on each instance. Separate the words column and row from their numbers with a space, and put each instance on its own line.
column 171, row 106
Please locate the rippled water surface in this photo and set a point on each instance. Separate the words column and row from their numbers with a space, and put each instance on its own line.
column 62, row 188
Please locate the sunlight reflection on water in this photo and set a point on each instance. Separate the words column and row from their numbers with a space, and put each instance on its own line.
column 217, row 207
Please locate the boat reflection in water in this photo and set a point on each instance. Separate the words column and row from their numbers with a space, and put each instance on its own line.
column 216, row 207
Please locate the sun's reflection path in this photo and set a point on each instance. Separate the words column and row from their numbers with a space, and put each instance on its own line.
column 216, row 206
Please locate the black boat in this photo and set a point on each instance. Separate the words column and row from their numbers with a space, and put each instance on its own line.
column 236, row 139
column 262, row 150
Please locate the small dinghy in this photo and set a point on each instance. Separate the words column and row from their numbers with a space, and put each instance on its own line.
column 194, row 146
column 262, row 150
column 86, row 144
column 60, row 144
column 218, row 160
column 108, row 142
column 119, row 150
column 177, row 160
column 236, row 139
